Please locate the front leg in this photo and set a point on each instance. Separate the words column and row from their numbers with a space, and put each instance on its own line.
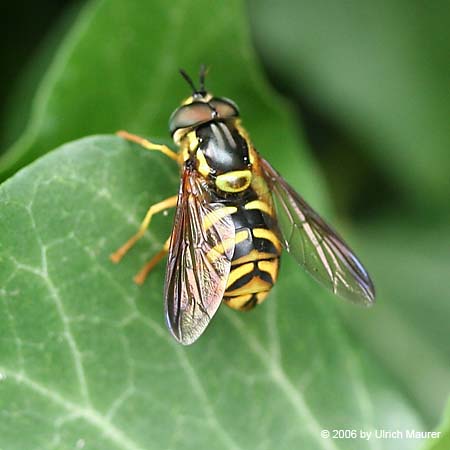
column 148, row 144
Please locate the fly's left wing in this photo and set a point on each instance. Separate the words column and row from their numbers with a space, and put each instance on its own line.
column 315, row 245
column 199, row 261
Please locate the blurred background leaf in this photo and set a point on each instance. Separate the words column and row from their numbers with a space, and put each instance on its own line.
column 409, row 327
column 26, row 59
column 379, row 71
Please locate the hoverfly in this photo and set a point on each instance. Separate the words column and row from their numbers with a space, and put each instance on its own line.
column 234, row 215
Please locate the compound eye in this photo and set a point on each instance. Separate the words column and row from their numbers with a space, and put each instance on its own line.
column 190, row 115
column 226, row 108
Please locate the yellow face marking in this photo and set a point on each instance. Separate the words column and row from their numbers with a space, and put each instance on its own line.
column 255, row 285
column 202, row 167
column 193, row 141
column 184, row 151
column 239, row 272
column 262, row 206
column 235, row 181
column 179, row 135
column 254, row 255
column 271, row 267
column 187, row 101
column 262, row 233
column 214, row 216
column 226, row 244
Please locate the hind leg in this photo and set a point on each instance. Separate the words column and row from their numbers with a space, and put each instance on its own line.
column 140, row 277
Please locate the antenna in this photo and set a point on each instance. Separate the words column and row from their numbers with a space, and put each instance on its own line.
column 202, row 75
column 189, row 80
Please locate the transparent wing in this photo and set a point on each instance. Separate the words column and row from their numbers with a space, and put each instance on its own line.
column 315, row 245
column 199, row 261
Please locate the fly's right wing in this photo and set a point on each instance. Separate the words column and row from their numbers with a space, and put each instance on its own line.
column 315, row 245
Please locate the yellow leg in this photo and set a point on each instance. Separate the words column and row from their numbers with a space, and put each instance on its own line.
column 170, row 202
column 143, row 273
column 148, row 145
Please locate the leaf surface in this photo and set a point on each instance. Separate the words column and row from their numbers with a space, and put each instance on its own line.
column 87, row 361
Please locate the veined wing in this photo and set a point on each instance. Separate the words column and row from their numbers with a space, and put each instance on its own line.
column 199, row 261
column 315, row 245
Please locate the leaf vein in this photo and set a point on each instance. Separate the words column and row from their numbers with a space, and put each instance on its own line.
column 284, row 383
column 90, row 415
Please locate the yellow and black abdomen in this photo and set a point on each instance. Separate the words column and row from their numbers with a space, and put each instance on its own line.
column 256, row 259
column 224, row 157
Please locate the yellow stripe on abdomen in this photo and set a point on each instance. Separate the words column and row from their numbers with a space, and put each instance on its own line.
column 239, row 272
column 254, row 255
column 256, row 284
column 245, row 302
column 250, row 283
column 226, row 244
column 270, row 267
column 261, row 206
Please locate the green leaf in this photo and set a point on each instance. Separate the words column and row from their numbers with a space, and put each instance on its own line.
column 86, row 360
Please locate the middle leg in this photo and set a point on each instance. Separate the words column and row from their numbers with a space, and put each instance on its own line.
column 170, row 202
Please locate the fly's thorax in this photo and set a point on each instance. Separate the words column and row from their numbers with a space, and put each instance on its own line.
column 220, row 154
column 208, row 131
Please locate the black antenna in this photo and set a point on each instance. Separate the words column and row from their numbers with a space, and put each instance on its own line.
column 189, row 80
column 202, row 75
